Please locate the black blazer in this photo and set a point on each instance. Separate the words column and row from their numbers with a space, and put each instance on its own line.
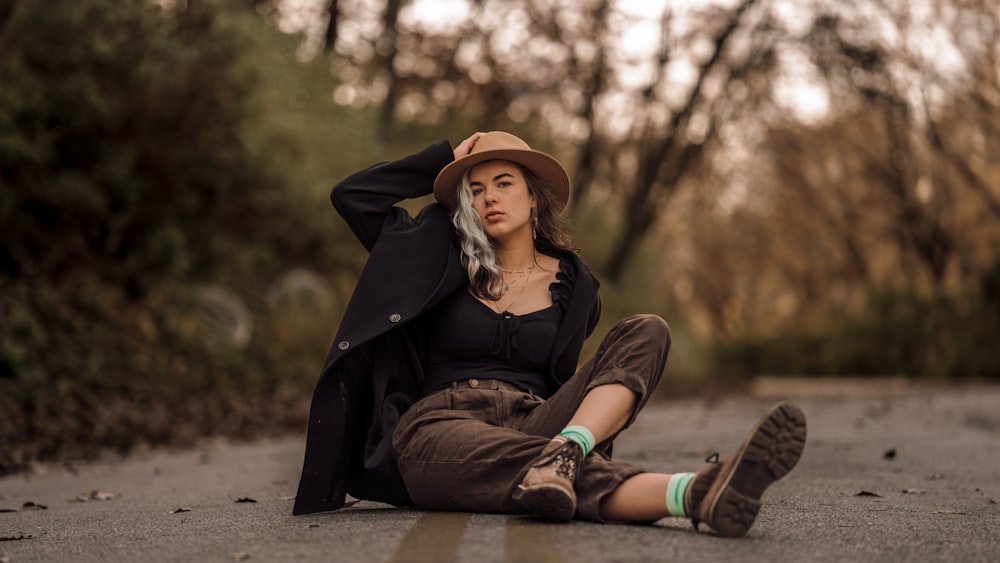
column 374, row 369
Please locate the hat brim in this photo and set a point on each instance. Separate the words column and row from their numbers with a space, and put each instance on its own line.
column 546, row 168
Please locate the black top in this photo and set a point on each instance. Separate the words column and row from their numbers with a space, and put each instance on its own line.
column 469, row 340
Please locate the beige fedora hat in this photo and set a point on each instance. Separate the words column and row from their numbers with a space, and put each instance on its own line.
column 498, row 145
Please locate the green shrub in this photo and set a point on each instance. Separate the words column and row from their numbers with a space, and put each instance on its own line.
column 133, row 180
column 899, row 332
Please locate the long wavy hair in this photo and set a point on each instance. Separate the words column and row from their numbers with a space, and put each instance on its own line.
column 478, row 249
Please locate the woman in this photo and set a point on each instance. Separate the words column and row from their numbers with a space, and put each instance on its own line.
column 453, row 383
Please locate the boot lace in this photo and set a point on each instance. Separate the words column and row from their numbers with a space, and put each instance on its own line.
column 565, row 464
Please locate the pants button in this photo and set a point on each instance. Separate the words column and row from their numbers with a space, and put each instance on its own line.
column 474, row 383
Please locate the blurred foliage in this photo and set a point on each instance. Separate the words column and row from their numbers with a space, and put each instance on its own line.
column 123, row 154
column 164, row 174
column 898, row 333
column 141, row 163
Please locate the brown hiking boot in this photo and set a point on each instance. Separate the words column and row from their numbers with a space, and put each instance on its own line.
column 547, row 488
column 726, row 495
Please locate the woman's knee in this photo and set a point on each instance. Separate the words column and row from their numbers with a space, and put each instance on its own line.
column 650, row 327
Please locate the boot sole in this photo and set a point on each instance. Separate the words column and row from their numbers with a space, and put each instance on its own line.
column 770, row 451
column 548, row 501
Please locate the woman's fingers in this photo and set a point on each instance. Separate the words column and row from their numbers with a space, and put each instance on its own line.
column 465, row 146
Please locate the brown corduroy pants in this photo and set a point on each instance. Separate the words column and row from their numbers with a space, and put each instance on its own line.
column 467, row 447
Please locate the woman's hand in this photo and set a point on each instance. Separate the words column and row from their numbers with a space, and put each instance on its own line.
column 465, row 146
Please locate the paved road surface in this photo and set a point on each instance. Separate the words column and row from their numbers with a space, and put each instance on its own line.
column 934, row 500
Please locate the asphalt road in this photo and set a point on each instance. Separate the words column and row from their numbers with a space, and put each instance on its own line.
column 890, row 473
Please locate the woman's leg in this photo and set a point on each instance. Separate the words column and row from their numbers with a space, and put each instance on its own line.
column 605, row 410
column 639, row 499
column 726, row 496
column 623, row 373
column 603, row 398
column 456, row 451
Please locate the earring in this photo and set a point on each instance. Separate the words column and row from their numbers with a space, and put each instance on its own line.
column 534, row 224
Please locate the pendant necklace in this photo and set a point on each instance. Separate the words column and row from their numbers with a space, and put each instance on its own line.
column 521, row 274
column 526, row 277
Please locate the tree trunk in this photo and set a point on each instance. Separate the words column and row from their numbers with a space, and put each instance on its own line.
column 388, row 114
column 586, row 167
column 6, row 10
column 333, row 10
column 961, row 165
column 636, row 225
column 922, row 233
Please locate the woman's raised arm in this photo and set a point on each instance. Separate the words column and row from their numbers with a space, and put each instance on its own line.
column 366, row 200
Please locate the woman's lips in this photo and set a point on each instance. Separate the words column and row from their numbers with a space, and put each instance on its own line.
column 494, row 216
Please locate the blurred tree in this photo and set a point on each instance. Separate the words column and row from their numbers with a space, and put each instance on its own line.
column 523, row 65
column 333, row 16
column 893, row 167
column 590, row 69
column 387, row 48
column 128, row 167
column 667, row 154
column 152, row 156
column 6, row 9
column 920, row 184
column 700, row 157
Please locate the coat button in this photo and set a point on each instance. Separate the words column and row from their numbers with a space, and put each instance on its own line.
column 343, row 345
column 395, row 318
column 474, row 383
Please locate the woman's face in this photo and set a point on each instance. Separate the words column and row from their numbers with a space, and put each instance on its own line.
column 500, row 196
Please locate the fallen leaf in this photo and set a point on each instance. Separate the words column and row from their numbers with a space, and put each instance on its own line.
column 913, row 491
column 991, row 501
column 18, row 537
column 867, row 494
column 951, row 512
column 241, row 556
column 890, row 454
column 181, row 509
column 245, row 499
column 34, row 506
column 94, row 495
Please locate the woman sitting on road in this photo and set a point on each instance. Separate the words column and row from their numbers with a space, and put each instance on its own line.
column 453, row 380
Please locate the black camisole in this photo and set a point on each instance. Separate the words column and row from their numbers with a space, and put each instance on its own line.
column 469, row 340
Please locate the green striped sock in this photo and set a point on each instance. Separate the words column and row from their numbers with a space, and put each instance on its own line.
column 676, row 488
column 580, row 435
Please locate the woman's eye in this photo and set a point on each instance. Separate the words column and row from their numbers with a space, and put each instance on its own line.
column 504, row 184
column 477, row 191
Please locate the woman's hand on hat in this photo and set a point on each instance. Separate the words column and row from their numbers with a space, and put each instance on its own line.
column 465, row 147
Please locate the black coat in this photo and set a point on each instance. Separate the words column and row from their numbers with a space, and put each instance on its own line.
column 373, row 371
